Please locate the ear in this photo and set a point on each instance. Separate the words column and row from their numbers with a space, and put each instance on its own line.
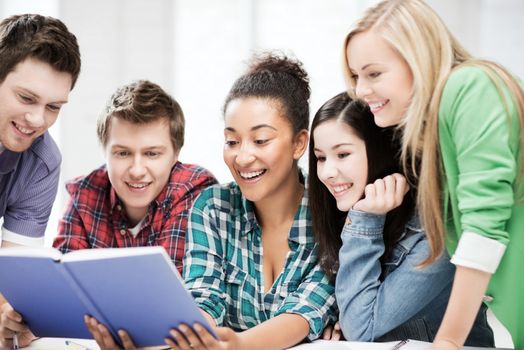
column 300, row 142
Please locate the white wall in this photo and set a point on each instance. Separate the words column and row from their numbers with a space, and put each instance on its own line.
column 196, row 48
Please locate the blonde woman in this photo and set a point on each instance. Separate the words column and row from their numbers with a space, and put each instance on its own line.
column 460, row 119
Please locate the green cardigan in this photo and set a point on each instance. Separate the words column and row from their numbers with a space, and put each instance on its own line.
column 480, row 149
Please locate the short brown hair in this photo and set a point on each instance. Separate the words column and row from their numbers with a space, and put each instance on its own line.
column 46, row 39
column 143, row 102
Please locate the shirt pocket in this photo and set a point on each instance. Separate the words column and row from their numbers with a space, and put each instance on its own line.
column 237, row 295
column 396, row 257
column 287, row 288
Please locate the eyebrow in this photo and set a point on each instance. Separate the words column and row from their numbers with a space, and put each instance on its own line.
column 146, row 148
column 255, row 128
column 29, row 92
column 337, row 146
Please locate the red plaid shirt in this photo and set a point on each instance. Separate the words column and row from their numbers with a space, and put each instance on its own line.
column 94, row 217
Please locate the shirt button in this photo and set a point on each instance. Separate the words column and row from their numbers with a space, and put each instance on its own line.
column 123, row 232
column 119, row 207
column 487, row 298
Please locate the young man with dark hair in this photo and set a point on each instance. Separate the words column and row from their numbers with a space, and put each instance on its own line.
column 39, row 65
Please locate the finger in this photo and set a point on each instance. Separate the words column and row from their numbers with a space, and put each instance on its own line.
column 336, row 334
column 390, row 192
column 191, row 336
column 180, row 339
column 96, row 334
column 326, row 335
column 126, row 340
column 7, row 343
column 205, row 337
column 370, row 192
column 107, row 338
column 402, row 186
column 171, row 343
column 380, row 187
column 13, row 315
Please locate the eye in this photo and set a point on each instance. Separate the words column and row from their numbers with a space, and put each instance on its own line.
column 152, row 154
column 25, row 98
column 53, row 108
column 374, row 74
column 260, row 142
column 121, row 154
column 231, row 143
column 321, row 159
column 343, row 155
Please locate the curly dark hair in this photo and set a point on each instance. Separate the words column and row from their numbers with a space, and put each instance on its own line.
column 275, row 76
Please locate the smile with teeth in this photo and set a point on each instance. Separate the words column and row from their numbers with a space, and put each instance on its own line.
column 341, row 188
column 138, row 185
column 252, row 174
column 23, row 130
column 376, row 106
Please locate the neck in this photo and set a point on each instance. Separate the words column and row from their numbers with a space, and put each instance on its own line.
column 280, row 208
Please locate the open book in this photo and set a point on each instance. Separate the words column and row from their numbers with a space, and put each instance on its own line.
column 135, row 289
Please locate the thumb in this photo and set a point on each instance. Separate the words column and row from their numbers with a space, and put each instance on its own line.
column 224, row 333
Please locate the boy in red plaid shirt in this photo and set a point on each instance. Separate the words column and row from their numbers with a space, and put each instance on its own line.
column 142, row 195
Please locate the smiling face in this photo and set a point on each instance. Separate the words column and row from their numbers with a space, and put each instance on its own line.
column 381, row 76
column 30, row 98
column 139, row 161
column 260, row 149
column 342, row 164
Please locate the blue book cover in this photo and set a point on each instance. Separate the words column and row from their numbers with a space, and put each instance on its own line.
column 135, row 289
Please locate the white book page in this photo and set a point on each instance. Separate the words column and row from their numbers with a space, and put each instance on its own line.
column 108, row 253
column 353, row 345
column 36, row 252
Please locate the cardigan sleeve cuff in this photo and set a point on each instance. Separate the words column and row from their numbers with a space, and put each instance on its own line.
column 478, row 252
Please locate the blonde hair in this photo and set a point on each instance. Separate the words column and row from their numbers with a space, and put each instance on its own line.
column 420, row 37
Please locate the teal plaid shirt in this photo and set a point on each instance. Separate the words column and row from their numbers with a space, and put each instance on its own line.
column 223, row 265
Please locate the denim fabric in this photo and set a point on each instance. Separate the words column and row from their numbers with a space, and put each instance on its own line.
column 395, row 299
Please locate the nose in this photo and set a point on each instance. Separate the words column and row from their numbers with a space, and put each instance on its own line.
column 326, row 170
column 138, row 168
column 35, row 118
column 362, row 89
column 244, row 156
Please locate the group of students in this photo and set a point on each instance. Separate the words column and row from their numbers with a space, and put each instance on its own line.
column 401, row 228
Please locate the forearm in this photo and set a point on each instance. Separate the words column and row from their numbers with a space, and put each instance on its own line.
column 358, row 277
column 280, row 332
column 468, row 290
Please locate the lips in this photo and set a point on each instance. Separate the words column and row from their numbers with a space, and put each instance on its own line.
column 23, row 130
column 340, row 189
column 251, row 175
column 138, row 185
column 377, row 106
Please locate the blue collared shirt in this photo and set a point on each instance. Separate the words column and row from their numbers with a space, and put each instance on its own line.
column 28, row 185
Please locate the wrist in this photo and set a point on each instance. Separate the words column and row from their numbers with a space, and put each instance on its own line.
column 446, row 344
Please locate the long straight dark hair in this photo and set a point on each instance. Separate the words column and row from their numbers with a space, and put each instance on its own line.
column 382, row 150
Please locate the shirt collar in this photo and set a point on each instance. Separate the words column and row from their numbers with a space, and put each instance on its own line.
column 8, row 161
column 301, row 228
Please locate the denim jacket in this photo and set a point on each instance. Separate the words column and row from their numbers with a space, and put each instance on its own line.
column 395, row 299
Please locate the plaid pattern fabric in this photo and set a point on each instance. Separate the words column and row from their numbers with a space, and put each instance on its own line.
column 223, row 265
column 94, row 216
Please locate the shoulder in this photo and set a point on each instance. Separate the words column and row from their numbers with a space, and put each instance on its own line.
column 220, row 197
column 190, row 175
column 95, row 183
column 183, row 172
column 44, row 151
column 467, row 77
